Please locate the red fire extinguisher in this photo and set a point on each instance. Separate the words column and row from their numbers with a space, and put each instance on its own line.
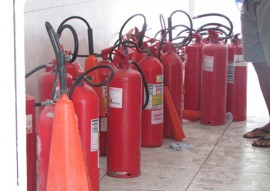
column 124, row 122
column 214, row 81
column 193, row 68
column 237, row 80
column 31, row 142
column 44, row 130
column 152, row 115
column 103, row 119
column 173, row 66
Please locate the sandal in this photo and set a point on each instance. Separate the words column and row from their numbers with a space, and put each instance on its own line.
column 256, row 133
column 263, row 142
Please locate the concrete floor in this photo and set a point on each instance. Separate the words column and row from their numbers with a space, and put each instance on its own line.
column 220, row 159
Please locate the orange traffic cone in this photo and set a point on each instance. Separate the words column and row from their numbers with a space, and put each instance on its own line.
column 177, row 130
column 192, row 115
column 67, row 169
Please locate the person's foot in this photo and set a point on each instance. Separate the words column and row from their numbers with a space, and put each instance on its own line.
column 263, row 142
column 258, row 132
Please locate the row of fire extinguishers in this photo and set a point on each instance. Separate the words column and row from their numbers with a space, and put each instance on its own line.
column 216, row 74
column 119, row 100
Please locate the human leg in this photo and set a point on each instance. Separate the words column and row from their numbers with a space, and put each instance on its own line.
column 263, row 73
column 256, row 46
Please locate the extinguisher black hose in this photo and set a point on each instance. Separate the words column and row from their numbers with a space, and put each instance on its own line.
column 127, row 43
column 60, row 57
column 75, row 37
column 144, row 83
column 157, row 33
column 215, row 29
column 185, row 30
column 217, row 25
column 220, row 15
column 89, row 32
column 185, row 42
column 170, row 23
column 82, row 76
column 37, row 69
column 143, row 30
column 162, row 22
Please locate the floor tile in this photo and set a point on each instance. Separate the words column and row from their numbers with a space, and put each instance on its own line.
column 152, row 178
column 229, row 181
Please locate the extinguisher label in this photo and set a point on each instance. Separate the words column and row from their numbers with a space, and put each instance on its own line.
column 230, row 74
column 115, row 97
column 157, row 117
column 29, row 124
column 155, row 96
column 208, row 63
column 239, row 60
column 94, row 135
column 159, row 79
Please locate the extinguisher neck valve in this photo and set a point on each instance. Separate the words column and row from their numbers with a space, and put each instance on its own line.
column 125, row 65
column 149, row 52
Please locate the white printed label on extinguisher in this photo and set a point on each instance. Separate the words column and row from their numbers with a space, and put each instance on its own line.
column 115, row 97
column 29, row 124
column 157, row 117
column 208, row 64
column 94, row 135
column 239, row 60
column 230, row 74
column 155, row 96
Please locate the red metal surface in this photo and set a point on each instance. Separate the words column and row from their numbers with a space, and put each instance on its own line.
column 44, row 131
column 193, row 69
column 173, row 78
column 86, row 105
column 103, row 120
column 214, row 83
column 124, row 123
column 31, row 143
column 45, row 85
column 237, row 82
column 152, row 115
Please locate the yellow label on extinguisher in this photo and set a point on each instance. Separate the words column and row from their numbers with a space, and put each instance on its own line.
column 155, row 96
